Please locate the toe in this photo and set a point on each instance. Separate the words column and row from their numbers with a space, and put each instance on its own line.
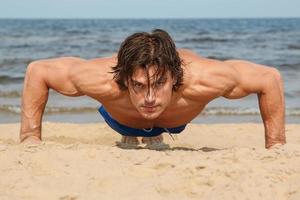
column 130, row 140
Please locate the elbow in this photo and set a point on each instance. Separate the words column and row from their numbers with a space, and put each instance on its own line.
column 276, row 75
column 271, row 80
column 36, row 73
column 35, row 69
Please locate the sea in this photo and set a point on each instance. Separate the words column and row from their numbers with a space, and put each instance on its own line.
column 272, row 41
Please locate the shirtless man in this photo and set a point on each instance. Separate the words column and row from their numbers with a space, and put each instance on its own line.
column 151, row 87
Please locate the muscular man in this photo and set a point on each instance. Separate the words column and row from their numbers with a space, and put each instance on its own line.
column 151, row 87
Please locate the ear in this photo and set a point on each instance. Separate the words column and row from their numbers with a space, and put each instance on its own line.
column 174, row 81
column 126, row 82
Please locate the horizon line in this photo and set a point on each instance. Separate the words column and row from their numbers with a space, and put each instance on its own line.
column 139, row 18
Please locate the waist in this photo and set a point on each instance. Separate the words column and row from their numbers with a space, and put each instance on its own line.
column 138, row 123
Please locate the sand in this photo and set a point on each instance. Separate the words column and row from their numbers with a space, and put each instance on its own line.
column 82, row 161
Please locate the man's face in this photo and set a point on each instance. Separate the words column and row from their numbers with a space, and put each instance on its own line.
column 150, row 97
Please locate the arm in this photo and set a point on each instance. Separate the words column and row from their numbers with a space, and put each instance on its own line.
column 268, row 84
column 40, row 76
column 272, row 108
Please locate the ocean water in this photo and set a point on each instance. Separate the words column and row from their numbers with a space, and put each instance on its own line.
column 273, row 42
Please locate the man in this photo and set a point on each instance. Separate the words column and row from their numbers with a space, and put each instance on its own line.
column 150, row 88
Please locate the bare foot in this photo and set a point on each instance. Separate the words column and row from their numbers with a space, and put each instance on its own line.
column 155, row 143
column 128, row 142
column 153, row 140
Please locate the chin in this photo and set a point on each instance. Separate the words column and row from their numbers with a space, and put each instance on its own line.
column 150, row 115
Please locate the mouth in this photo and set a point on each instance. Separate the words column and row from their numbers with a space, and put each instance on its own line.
column 149, row 108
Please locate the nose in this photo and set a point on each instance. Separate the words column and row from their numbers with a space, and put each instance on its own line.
column 150, row 98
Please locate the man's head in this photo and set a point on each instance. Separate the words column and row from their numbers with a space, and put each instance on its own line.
column 150, row 68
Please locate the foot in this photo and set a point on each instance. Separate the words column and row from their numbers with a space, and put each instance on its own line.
column 155, row 143
column 128, row 142
column 153, row 140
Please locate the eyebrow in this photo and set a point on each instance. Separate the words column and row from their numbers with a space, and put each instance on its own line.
column 162, row 78
column 136, row 81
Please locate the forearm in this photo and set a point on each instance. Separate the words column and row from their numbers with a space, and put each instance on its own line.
column 272, row 108
column 34, row 99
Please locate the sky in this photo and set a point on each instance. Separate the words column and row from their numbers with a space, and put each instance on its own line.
column 149, row 9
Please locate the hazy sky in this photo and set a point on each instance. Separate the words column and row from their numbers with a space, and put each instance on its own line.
column 148, row 9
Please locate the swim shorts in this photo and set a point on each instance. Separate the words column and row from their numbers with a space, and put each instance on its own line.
column 128, row 131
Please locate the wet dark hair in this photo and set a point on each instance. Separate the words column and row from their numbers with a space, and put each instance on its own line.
column 142, row 50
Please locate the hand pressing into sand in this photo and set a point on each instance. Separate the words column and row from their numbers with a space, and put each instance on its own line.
column 277, row 146
column 32, row 140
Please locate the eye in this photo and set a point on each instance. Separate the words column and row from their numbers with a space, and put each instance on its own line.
column 160, row 82
column 137, row 85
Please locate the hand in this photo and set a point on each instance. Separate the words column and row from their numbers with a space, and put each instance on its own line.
column 32, row 140
column 276, row 146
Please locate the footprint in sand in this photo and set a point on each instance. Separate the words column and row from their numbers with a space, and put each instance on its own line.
column 200, row 167
column 163, row 166
column 3, row 147
column 67, row 197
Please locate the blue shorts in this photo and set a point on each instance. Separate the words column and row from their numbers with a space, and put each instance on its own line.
column 128, row 131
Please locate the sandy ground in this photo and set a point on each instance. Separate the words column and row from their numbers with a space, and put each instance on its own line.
column 82, row 161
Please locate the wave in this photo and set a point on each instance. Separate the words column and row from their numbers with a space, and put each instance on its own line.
column 219, row 58
column 77, row 32
column 289, row 66
column 15, row 61
column 13, row 109
column 4, row 79
column 203, row 39
column 294, row 46
column 230, row 111
column 244, row 111
column 20, row 46
column 10, row 94
column 48, row 110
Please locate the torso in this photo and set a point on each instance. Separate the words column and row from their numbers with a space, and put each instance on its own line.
column 186, row 104
column 180, row 112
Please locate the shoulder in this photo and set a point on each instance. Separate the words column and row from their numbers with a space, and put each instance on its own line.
column 193, row 61
column 59, row 62
column 188, row 55
column 95, row 78
column 100, row 67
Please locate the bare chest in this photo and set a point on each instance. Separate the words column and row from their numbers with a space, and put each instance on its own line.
column 180, row 113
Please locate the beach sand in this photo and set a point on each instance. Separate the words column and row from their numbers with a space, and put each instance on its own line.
column 216, row 161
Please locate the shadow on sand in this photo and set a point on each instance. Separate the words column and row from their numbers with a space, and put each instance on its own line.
column 165, row 147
